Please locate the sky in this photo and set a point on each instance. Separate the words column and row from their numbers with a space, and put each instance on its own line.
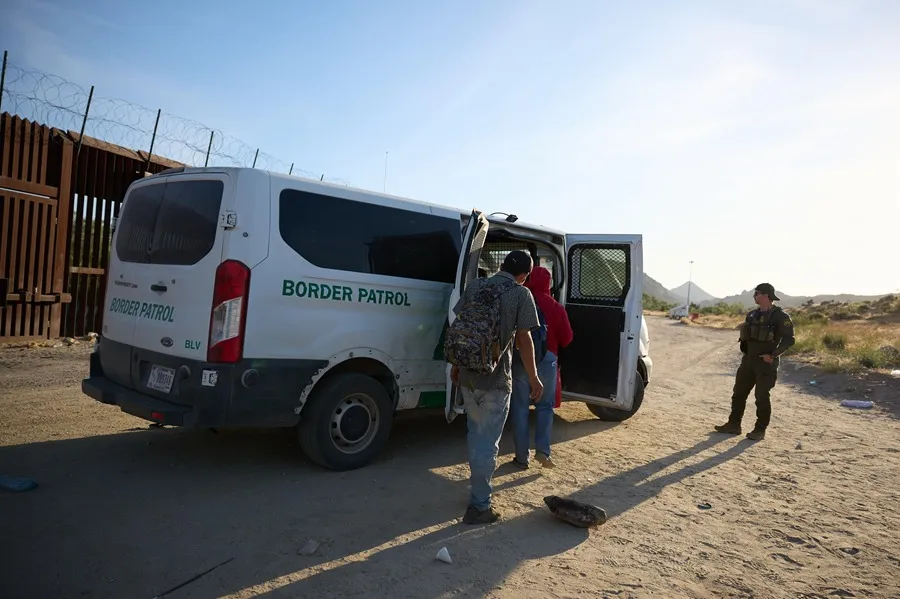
column 759, row 140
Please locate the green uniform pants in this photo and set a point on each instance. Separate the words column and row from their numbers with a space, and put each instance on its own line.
column 753, row 372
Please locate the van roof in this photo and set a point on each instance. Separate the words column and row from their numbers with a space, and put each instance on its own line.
column 353, row 190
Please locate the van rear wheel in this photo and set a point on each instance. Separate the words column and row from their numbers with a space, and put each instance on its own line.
column 613, row 415
column 346, row 422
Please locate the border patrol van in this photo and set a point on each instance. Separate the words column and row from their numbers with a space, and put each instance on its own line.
column 238, row 297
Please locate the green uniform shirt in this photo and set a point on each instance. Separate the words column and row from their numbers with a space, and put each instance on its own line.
column 767, row 332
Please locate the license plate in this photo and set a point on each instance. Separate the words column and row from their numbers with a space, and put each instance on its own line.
column 161, row 378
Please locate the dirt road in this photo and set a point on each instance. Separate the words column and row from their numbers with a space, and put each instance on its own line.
column 123, row 511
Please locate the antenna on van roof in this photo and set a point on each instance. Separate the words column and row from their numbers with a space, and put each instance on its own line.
column 510, row 218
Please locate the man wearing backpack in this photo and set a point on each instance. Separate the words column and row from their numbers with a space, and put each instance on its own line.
column 494, row 315
column 556, row 332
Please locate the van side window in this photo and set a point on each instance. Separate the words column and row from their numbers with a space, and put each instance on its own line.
column 600, row 274
column 347, row 235
column 170, row 223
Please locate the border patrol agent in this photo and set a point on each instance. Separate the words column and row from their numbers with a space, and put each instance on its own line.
column 766, row 334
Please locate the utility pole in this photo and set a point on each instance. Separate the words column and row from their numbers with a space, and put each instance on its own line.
column 690, row 279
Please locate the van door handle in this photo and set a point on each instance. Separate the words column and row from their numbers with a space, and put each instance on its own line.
column 160, row 288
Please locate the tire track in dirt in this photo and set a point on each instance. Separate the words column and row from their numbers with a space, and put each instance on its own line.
column 683, row 353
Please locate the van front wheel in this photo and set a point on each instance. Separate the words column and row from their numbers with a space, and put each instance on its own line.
column 346, row 422
column 613, row 415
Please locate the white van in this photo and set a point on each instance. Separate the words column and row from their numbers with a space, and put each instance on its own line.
column 242, row 298
column 678, row 312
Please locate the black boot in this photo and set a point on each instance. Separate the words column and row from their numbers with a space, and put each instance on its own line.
column 730, row 428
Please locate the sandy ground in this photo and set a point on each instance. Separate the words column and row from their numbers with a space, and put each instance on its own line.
column 125, row 511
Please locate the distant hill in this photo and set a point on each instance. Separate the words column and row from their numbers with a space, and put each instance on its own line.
column 654, row 288
column 745, row 298
column 697, row 294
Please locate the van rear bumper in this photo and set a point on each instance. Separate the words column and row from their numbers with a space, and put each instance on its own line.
column 268, row 398
column 137, row 404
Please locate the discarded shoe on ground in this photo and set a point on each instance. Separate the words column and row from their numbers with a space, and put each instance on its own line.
column 574, row 512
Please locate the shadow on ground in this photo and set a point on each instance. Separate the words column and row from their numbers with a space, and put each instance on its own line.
column 487, row 555
column 134, row 513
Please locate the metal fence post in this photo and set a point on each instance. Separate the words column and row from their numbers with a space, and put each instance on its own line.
column 292, row 168
column 255, row 157
column 152, row 140
column 3, row 76
column 87, row 109
column 209, row 149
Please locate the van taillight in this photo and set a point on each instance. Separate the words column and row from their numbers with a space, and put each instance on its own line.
column 229, row 309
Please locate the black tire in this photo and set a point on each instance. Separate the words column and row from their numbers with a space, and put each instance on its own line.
column 613, row 415
column 321, row 433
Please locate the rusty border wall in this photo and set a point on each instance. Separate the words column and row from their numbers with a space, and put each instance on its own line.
column 60, row 190
column 59, row 193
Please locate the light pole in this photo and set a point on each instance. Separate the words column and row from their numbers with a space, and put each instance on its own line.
column 690, row 279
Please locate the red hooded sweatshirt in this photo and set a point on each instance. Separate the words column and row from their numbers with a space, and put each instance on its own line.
column 559, row 331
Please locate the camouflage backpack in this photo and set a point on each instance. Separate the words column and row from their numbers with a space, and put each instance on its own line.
column 473, row 340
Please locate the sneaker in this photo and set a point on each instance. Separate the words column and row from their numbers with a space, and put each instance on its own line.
column 756, row 435
column 729, row 428
column 544, row 460
column 476, row 516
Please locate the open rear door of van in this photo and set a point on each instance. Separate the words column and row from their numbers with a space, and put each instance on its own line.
column 604, row 304
column 473, row 241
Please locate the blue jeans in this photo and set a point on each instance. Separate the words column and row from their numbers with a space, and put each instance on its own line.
column 543, row 408
column 486, row 413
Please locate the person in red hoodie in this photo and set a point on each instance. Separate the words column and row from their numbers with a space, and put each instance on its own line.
column 559, row 334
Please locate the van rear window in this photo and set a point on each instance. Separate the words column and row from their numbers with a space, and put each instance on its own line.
column 170, row 223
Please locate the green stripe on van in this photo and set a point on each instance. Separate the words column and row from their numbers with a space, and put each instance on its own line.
column 432, row 399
